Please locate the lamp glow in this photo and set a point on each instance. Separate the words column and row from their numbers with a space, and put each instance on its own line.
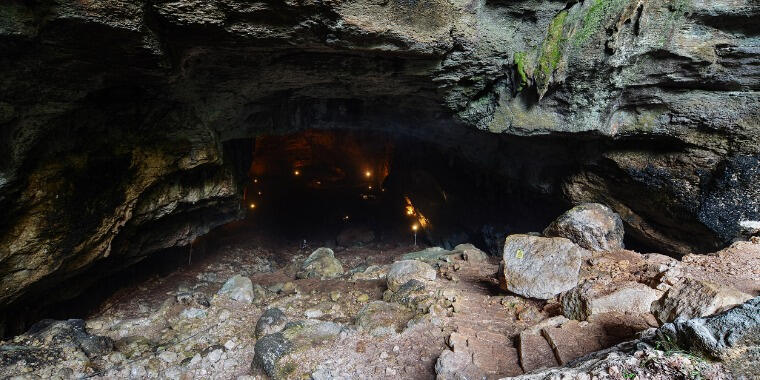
column 368, row 174
column 252, row 206
column 296, row 172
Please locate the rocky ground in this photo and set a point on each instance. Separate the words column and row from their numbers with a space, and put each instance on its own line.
column 255, row 308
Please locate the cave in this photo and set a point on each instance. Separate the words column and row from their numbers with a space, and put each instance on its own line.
column 375, row 189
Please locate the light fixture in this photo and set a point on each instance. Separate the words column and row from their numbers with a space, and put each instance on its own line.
column 252, row 206
column 414, row 227
column 369, row 187
column 296, row 172
column 255, row 180
column 259, row 193
column 368, row 174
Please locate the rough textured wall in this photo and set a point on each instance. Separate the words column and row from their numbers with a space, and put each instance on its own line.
column 114, row 113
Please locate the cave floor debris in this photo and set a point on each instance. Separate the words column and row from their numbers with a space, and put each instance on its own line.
column 177, row 326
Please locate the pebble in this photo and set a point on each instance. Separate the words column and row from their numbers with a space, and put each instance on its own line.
column 193, row 313
column 224, row 315
column 230, row 344
column 215, row 355
column 390, row 371
column 313, row 313
column 396, row 349
column 362, row 298
column 196, row 359
column 384, row 355
column 168, row 356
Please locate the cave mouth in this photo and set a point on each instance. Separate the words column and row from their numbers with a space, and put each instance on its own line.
column 348, row 188
column 329, row 186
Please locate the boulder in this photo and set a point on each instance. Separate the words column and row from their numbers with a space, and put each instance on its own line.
column 405, row 270
column 271, row 321
column 352, row 236
column 591, row 225
column 595, row 297
column 295, row 337
column 268, row 351
column 238, row 288
column 471, row 253
column 695, row 298
column 321, row 264
column 540, row 267
column 719, row 336
column 429, row 255
column 382, row 318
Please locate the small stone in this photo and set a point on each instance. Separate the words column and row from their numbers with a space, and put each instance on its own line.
column 238, row 288
column 192, row 313
column 230, row 344
column 289, row 288
column 313, row 313
column 224, row 315
column 362, row 298
column 168, row 356
column 384, row 355
column 390, row 371
column 334, row 295
column 196, row 359
column 405, row 270
column 215, row 355
column 271, row 321
column 396, row 349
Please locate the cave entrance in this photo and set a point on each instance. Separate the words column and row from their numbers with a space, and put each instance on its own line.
column 349, row 187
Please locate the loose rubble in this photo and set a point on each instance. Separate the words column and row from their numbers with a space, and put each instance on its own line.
column 409, row 313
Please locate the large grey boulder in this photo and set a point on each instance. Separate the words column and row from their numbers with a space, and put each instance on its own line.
column 590, row 298
column 695, row 298
column 593, row 226
column 321, row 264
column 405, row 270
column 720, row 335
column 238, row 288
column 540, row 267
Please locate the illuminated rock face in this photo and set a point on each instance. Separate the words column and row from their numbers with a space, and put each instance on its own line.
column 121, row 120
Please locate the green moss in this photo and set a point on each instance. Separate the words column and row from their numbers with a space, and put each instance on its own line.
column 593, row 19
column 551, row 51
column 520, row 68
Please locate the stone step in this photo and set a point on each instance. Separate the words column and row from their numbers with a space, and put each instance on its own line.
column 535, row 352
column 575, row 339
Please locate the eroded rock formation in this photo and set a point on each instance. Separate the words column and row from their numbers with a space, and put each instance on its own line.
column 123, row 122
